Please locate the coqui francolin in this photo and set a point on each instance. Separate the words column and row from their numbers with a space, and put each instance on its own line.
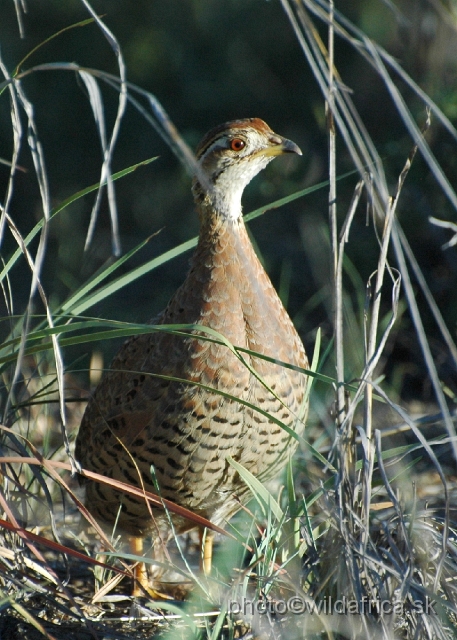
column 186, row 429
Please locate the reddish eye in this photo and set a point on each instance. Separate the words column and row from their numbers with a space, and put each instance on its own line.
column 237, row 144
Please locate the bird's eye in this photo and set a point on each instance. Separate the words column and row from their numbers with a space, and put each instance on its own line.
column 237, row 144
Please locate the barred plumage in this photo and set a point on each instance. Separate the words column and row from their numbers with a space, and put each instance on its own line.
column 184, row 429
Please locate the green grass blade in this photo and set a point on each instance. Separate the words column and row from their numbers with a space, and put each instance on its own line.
column 133, row 275
column 76, row 196
column 260, row 493
column 82, row 23
column 314, row 364
column 293, row 196
column 99, row 277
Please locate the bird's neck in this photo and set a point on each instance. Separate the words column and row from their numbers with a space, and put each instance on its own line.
column 220, row 237
column 217, row 203
column 215, row 227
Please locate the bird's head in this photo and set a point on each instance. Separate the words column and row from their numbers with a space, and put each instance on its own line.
column 229, row 156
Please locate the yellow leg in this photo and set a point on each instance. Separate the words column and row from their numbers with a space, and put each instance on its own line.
column 140, row 573
column 206, row 544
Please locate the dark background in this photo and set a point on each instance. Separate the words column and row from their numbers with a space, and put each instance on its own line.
column 208, row 61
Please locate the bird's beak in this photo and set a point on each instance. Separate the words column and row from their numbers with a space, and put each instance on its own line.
column 287, row 146
column 280, row 146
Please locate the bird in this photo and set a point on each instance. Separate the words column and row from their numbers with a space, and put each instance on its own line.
column 172, row 411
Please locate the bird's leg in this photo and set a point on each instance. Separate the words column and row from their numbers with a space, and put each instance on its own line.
column 140, row 574
column 206, row 545
column 141, row 582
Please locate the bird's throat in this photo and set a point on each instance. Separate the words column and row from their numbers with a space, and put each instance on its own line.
column 216, row 204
